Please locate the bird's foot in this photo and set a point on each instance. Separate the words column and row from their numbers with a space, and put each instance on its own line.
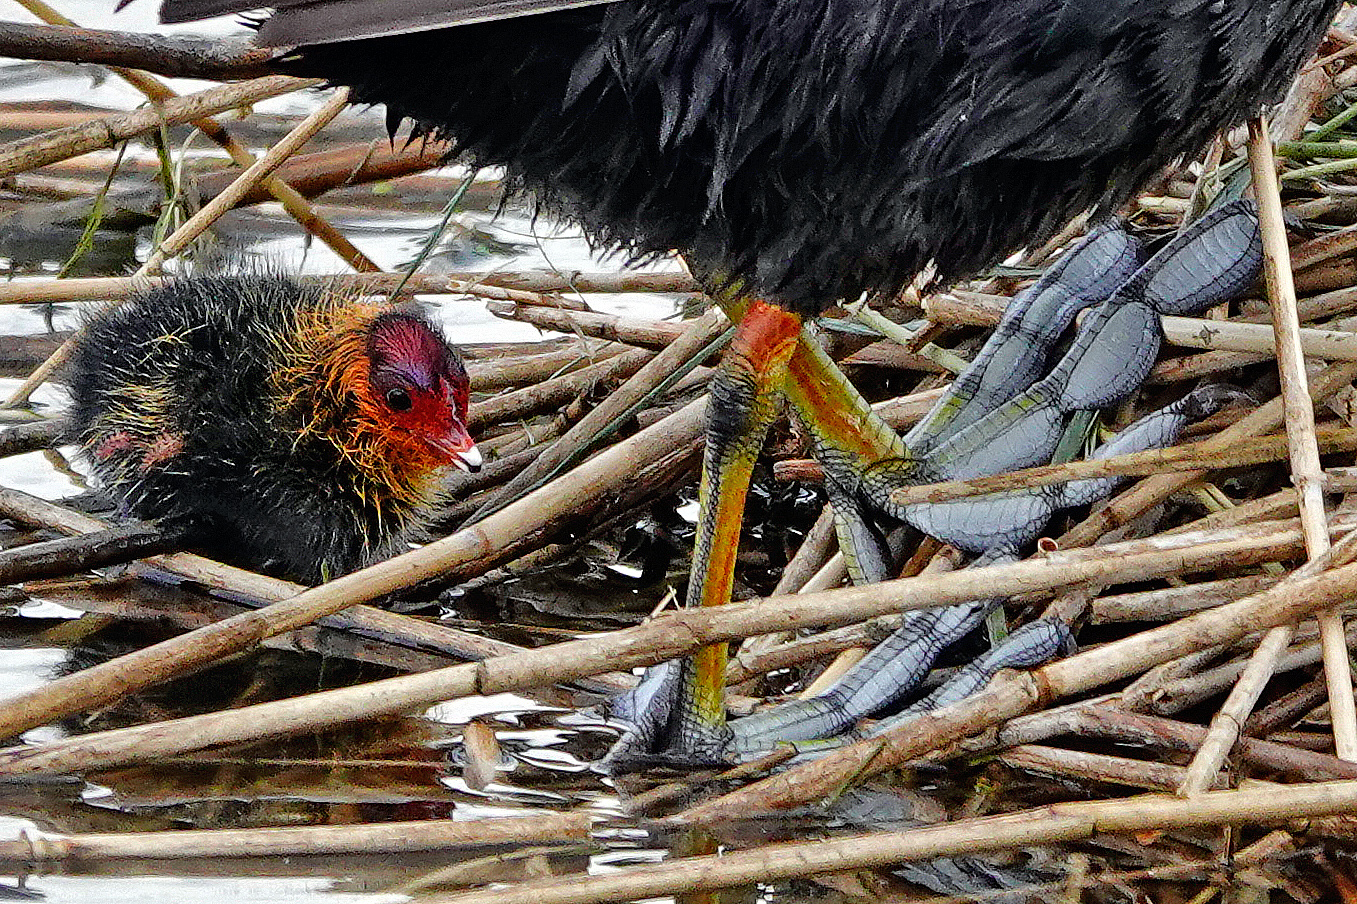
column 660, row 732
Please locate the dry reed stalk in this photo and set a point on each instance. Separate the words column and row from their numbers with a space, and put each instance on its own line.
column 1108, row 720
column 631, row 330
column 1226, row 335
column 665, row 637
column 1308, row 477
column 1281, row 504
column 1011, row 694
column 1286, row 709
column 534, row 285
column 1053, row 823
column 467, row 552
column 217, row 59
column 1206, row 454
column 815, row 549
column 703, row 336
column 1306, row 472
column 197, row 224
column 65, row 556
column 297, row 206
column 1174, row 602
column 31, row 153
column 1236, row 341
column 556, row 392
column 34, row 849
column 1093, row 767
column 749, row 664
column 31, row 437
column 1180, row 692
column 493, row 373
column 364, row 620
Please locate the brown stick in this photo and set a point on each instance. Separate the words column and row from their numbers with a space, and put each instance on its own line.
column 215, row 59
column 31, row 437
column 1206, row 454
column 530, row 284
column 31, row 153
column 645, row 333
column 296, row 841
column 1308, row 477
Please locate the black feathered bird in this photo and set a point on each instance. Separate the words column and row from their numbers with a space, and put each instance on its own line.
column 801, row 152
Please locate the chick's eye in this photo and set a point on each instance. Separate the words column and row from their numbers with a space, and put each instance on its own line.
column 398, row 400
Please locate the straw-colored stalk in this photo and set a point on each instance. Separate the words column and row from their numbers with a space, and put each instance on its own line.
column 34, row 848
column 106, row 132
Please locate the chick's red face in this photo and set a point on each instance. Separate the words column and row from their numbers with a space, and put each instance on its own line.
column 420, row 388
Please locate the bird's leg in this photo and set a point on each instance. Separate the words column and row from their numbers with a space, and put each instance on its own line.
column 1116, row 345
column 684, row 718
column 846, row 436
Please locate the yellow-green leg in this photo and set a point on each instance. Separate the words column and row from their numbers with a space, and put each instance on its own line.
column 770, row 358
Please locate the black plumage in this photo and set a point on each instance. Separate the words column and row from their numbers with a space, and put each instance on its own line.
column 293, row 428
column 813, row 151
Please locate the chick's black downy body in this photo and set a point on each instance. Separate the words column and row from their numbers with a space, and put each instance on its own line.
column 224, row 402
column 812, row 151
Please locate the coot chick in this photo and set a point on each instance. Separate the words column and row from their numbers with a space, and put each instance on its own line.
column 295, row 429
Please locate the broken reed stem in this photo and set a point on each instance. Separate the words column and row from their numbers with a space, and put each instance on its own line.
column 1061, row 822
column 670, row 635
column 631, row 330
column 555, row 393
column 465, row 553
column 1011, row 694
column 105, row 132
column 297, row 206
column 1306, row 472
column 68, row 555
column 1084, row 766
column 32, row 849
column 32, row 437
column 1209, row 454
column 700, row 337
column 526, row 286
column 197, row 224
column 1173, row 602
column 215, row 58
column 1151, row 491
column 1238, row 337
